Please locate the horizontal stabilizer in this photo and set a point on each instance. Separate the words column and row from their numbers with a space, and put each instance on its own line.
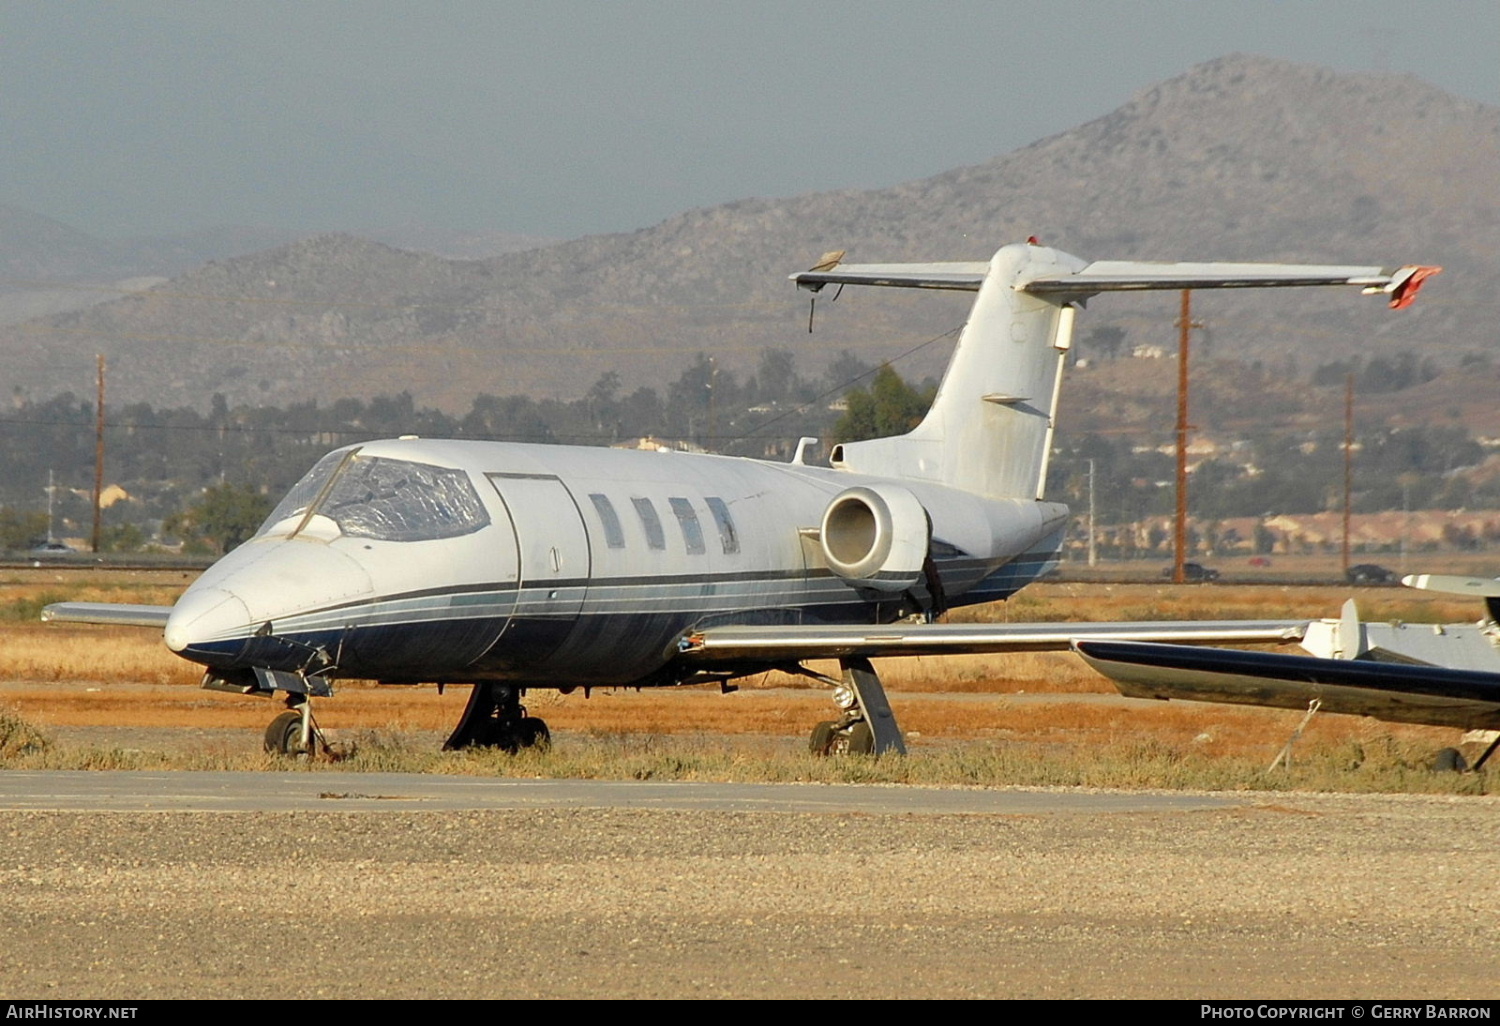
column 1139, row 275
column 117, row 614
column 787, row 644
column 1401, row 284
column 1388, row 691
column 960, row 276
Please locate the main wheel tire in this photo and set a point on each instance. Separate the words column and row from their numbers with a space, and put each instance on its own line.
column 821, row 740
column 532, row 732
column 284, row 735
column 1449, row 760
column 861, row 739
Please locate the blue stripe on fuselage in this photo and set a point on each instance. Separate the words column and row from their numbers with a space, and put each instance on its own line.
column 624, row 632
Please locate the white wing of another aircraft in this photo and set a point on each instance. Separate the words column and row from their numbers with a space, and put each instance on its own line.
column 1442, row 675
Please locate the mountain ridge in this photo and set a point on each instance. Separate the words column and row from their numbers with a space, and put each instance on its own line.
column 1238, row 158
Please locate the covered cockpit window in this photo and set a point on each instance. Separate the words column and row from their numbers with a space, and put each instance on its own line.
column 303, row 493
column 396, row 500
column 388, row 500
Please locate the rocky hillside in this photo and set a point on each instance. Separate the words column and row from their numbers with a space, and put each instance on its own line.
column 1239, row 158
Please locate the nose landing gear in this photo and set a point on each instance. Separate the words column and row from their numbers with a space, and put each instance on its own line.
column 295, row 732
column 495, row 718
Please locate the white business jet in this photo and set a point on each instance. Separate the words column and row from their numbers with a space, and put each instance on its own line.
column 511, row 566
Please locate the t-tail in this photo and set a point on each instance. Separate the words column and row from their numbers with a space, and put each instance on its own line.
column 989, row 430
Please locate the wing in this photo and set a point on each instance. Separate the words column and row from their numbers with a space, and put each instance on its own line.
column 1431, row 695
column 788, row 644
column 116, row 614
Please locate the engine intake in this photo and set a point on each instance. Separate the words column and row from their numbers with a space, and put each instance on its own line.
column 876, row 537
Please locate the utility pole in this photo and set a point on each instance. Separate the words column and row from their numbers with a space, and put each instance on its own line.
column 51, row 491
column 1185, row 325
column 1093, row 551
column 1348, row 462
column 98, row 453
column 1405, row 522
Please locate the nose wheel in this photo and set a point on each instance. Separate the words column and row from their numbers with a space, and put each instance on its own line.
column 495, row 718
column 294, row 732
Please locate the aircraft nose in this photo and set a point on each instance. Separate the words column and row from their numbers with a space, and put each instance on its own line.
column 205, row 617
column 259, row 604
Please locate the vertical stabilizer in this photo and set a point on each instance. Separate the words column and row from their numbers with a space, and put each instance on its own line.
column 990, row 428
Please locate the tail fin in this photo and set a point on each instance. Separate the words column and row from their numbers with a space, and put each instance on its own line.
column 990, row 429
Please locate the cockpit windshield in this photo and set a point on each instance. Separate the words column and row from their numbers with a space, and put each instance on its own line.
column 304, row 492
column 384, row 499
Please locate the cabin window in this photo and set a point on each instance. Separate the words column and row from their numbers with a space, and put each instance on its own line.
column 398, row 500
column 613, row 535
column 692, row 531
column 651, row 522
column 728, row 536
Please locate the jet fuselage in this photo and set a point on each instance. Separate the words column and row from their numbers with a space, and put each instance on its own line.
column 427, row 560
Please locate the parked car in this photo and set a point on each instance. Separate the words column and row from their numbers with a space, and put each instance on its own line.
column 1370, row 573
column 1194, row 572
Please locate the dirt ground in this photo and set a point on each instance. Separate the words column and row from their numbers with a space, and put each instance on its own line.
column 1270, row 896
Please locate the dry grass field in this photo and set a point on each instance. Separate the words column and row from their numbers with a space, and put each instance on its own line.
column 1039, row 707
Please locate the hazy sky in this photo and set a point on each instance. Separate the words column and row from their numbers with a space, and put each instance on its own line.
column 569, row 118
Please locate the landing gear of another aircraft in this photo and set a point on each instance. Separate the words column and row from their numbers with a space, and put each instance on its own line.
column 867, row 726
column 495, row 718
column 1449, row 760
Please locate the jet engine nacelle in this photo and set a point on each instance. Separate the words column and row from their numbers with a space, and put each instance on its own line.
column 876, row 537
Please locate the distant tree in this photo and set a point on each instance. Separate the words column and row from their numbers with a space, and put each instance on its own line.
column 1335, row 372
column 1104, row 342
column 776, row 375
column 122, row 538
column 21, row 530
column 845, row 369
column 1265, row 540
column 890, row 407
column 225, row 516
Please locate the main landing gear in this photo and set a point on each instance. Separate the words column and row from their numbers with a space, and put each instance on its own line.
column 867, row 725
column 495, row 718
